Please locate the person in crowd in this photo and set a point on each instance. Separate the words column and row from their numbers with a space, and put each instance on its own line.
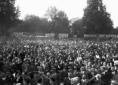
column 57, row 62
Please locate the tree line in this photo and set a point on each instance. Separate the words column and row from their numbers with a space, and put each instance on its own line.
column 96, row 20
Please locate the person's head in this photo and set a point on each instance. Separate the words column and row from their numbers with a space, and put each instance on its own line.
column 83, row 76
column 102, row 68
column 112, row 68
column 48, row 74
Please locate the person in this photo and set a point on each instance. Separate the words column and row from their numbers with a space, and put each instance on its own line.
column 67, row 81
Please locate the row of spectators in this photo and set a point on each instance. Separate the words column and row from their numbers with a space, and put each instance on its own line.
column 58, row 62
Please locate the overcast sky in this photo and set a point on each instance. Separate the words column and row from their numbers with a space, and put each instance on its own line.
column 73, row 8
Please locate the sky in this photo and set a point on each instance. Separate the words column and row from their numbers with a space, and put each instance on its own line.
column 73, row 8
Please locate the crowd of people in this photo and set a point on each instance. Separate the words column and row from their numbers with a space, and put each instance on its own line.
column 57, row 62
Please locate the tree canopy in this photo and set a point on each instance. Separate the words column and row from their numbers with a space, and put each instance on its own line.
column 96, row 20
column 8, row 14
column 58, row 20
column 34, row 23
column 77, row 28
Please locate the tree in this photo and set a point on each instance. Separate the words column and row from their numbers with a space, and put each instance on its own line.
column 115, row 30
column 8, row 14
column 60, row 23
column 34, row 23
column 77, row 28
column 58, row 20
column 51, row 13
column 96, row 20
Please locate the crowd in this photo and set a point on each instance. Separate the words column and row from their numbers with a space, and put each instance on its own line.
column 57, row 62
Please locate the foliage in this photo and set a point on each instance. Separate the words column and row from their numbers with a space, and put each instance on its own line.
column 77, row 28
column 8, row 15
column 115, row 30
column 34, row 23
column 96, row 20
column 58, row 20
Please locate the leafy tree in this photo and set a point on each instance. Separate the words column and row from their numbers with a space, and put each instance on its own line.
column 96, row 20
column 77, row 28
column 8, row 14
column 58, row 20
column 34, row 23
column 60, row 23
column 51, row 13
column 115, row 30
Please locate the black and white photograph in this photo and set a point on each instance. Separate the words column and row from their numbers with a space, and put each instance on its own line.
column 58, row 42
